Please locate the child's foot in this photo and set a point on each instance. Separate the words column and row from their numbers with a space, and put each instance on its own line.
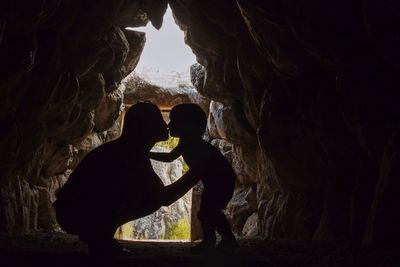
column 227, row 246
column 203, row 248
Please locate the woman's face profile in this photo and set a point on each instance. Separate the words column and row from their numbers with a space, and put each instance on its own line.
column 161, row 129
column 146, row 120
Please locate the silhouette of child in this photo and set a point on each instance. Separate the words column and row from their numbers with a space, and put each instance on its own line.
column 188, row 122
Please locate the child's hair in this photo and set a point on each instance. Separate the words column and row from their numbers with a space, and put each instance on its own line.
column 194, row 118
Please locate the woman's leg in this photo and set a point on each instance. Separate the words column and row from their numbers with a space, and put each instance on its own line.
column 223, row 226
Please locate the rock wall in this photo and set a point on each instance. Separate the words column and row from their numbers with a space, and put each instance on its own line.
column 61, row 64
column 307, row 91
column 307, row 94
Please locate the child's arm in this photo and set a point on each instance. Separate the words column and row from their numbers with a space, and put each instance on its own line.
column 166, row 157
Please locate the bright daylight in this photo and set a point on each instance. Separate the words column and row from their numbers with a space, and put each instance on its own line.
column 166, row 59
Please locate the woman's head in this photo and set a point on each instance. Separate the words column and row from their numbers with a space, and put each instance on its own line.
column 187, row 120
column 144, row 120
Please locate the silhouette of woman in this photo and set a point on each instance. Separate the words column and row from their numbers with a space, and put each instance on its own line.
column 115, row 183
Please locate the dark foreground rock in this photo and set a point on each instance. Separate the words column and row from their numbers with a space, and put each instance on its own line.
column 59, row 249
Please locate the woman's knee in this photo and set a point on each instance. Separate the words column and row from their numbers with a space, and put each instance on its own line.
column 67, row 223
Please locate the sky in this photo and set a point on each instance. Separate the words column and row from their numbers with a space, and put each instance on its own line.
column 165, row 50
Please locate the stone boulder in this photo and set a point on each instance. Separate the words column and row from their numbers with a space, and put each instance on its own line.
column 224, row 122
column 242, row 205
column 250, row 228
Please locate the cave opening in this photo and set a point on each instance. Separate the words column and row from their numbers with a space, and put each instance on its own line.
column 302, row 96
column 164, row 65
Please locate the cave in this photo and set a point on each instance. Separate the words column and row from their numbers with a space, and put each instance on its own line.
column 301, row 95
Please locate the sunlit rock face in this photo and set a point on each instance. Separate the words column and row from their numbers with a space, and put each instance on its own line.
column 138, row 89
column 305, row 93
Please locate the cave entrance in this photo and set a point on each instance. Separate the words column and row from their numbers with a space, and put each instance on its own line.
column 164, row 64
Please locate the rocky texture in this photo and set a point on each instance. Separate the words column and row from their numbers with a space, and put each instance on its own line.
column 196, row 232
column 62, row 64
column 307, row 92
column 250, row 228
column 137, row 89
column 317, row 87
column 242, row 205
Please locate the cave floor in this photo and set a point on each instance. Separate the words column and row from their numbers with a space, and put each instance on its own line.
column 59, row 249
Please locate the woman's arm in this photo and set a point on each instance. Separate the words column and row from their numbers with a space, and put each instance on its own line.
column 176, row 190
column 166, row 157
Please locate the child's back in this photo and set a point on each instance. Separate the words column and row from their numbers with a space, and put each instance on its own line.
column 215, row 170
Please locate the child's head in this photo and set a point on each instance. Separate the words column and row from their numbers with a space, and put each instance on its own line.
column 187, row 120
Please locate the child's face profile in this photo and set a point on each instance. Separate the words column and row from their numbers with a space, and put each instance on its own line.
column 182, row 123
column 173, row 127
column 177, row 125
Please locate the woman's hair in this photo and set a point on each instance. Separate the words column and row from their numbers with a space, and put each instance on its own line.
column 191, row 116
column 140, row 117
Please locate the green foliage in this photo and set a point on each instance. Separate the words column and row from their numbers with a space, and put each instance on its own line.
column 185, row 168
column 168, row 144
column 178, row 231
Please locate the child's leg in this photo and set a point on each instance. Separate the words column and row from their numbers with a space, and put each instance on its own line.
column 223, row 227
column 228, row 240
column 206, row 215
column 208, row 228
